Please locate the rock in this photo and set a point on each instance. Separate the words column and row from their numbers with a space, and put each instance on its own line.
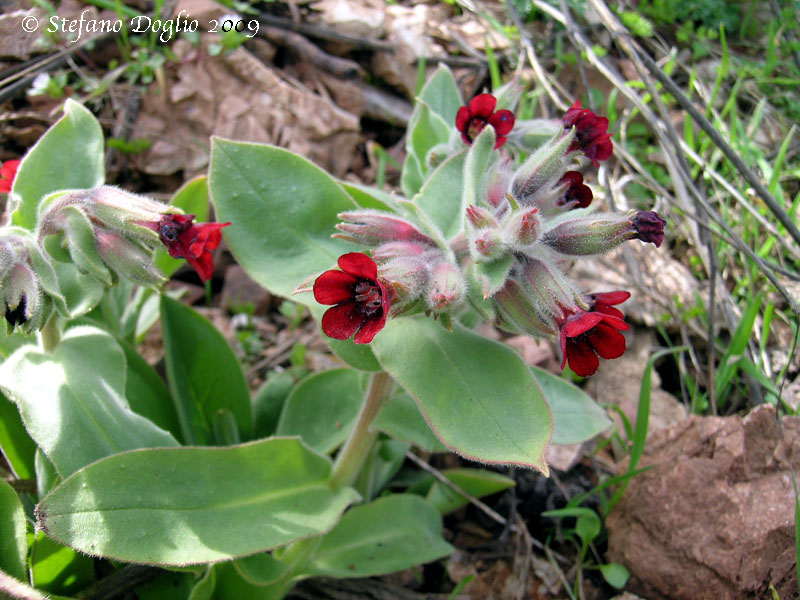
column 562, row 457
column 714, row 518
column 362, row 18
column 239, row 291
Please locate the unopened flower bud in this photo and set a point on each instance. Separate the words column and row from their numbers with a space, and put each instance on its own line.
column 600, row 233
column 549, row 289
column 128, row 259
column 21, row 294
column 649, row 227
column 480, row 217
column 523, row 226
column 516, row 308
column 498, row 182
column 447, row 287
column 373, row 228
column 542, row 169
column 488, row 245
column 395, row 249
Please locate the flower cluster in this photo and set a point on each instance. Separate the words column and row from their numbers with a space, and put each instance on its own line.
column 522, row 232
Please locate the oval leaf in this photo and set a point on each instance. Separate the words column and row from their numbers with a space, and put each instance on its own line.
column 69, row 155
column 476, row 394
column 283, row 209
column 203, row 372
column 15, row 443
column 390, row 534
column 322, row 409
column 441, row 197
column 13, row 542
column 77, row 393
column 401, row 419
column 576, row 416
column 180, row 506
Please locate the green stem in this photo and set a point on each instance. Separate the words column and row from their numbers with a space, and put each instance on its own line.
column 348, row 463
column 50, row 334
column 352, row 456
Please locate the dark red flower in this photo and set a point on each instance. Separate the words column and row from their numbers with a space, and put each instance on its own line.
column 585, row 335
column 361, row 300
column 603, row 302
column 591, row 133
column 7, row 173
column 193, row 241
column 471, row 119
column 577, row 195
column 649, row 227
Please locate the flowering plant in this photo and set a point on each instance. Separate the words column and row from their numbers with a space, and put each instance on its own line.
column 199, row 472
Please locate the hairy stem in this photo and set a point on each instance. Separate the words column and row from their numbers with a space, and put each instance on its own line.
column 352, row 456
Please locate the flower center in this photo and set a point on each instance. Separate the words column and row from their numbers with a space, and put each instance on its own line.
column 475, row 126
column 169, row 232
column 368, row 296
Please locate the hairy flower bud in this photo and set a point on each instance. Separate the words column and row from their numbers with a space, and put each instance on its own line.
column 523, row 226
column 596, row 234
column 488, row 245
column 447, row 287
column 480, row 217
column 515, row 307
column 372, row 228
column 128, row 259
column 542, row 170
column 549, row 289
column 22, row 297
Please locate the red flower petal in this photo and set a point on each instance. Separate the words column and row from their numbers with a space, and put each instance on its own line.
column 5, row 186
column 482, row 105
column 582, row 358
column 333, row 287
column 203, row 264
column 607, row 341
column 371, row 327
column 341, row 321
column 610, row 298
column 9, row 169
column 358, row 265
column 503, row 122
column 462, row 118
column 581, row 323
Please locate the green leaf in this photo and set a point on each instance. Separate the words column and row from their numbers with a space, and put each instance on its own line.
column 168, row 584
column 77, row 393
column 261, row 569
column 15, row 443
column 80, row 293
column 322, row 409
column 411, row 179
column 476, row 482
column 615, row 575
column 588, row 527
column 57, row 569
column 232, row 585
column 384, row 462
column 476, row 166
column 441, row 196
column 493, row 275
column 68, row 156
column 268, row 403
column 368, row 197
column 204, row 589
column 283, row 209
column 441, row 94
column 14, row 541
column 358, row 356
column 480, row 399
column 576, row 416
column 400, row 418
column 390, row 534
column 427, row 129
column 180, row 506
column 192, row 198
column 147, row 393
column 203, row 372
